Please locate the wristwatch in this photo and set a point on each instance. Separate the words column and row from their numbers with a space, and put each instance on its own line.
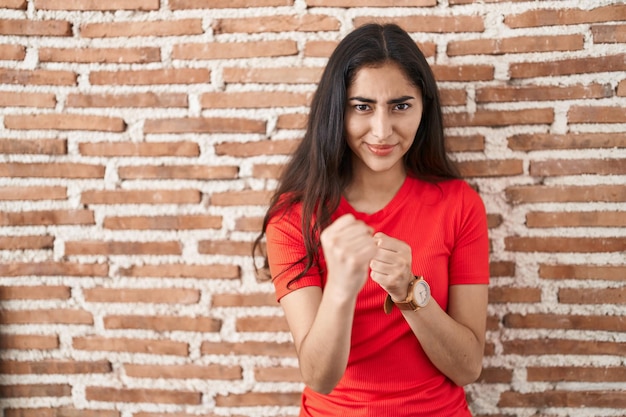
column 417, row 297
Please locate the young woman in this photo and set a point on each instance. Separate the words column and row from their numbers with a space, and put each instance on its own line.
column 378, row 251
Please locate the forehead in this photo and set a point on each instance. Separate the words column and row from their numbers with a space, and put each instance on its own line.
column 382, row 80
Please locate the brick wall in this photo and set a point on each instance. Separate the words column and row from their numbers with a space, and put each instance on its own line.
column 141, row 140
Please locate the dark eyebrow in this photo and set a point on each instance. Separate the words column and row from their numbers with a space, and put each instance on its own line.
column 392, row 101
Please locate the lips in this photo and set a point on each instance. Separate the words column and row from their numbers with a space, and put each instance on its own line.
column 380, row 150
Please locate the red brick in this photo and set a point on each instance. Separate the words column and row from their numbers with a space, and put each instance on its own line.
column 65, row 121
column 204, row 125
column 24, row 99
column 545, row 141
column 146, row 346
column 501, row 269
column 32, row 193
column 33, row 146
column 151, row 149
column 285, row 349
column 491, row 168
column 38, row 242
column 181, row 222
column 564, row 193
column 621, row 89
column 209, row 372
column 218, row 4
column 281, row 23
column 321, row 49
column 463, row 72
column 12, row 52
column 516, row 45
column 564, row 244
column 249, row 224
column 172, row 27
column 277, row 374
column 567, row 399
column 577, row 219
column 164, row 323
column 128, row 100
column 609, row 33
column 562, row 321
column 186, row 172
column 596, row 114
column 71, row 269
column 58, row 412
column 35, row 390
column 251, row 399
column 234, row 50
column 605, row 63
column 262, row 324
column 546, row 346
column 14, row 4
column 256, row 148
column 37, row 77
column 430, row 23
column 46, row 316
column 254, row 99
column 496, row 376
column 47, row 217
column 151, row 77
column 35, row 27
column 54, row 366
column 563, row 16
column 224, row 247
column 280, row 75
column 52, row 170
column 514, row 295
column 210, row 271
column 470, row 143
column 542, row 93
column 154, row 396
column 493, row 220
column 33, row 292
column 141, row 197
column 112, row 5
column 142, row 295
column 500, row 118
column 244, row 300
column 267, row 171
column 583, row 272
column 93, row 247
column 575, row 374
column 592, row 296
column 291, row 121
column 578, row 167
column 237, row 198
column 371, row 3
column 101, row 55
column 191, row 172
column 28, row 342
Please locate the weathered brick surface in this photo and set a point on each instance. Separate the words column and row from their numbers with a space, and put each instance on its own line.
column 140, row 141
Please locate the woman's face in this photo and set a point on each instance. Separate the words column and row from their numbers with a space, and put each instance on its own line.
column 383, row 113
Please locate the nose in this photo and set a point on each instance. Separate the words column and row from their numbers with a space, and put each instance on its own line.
column 381, row 126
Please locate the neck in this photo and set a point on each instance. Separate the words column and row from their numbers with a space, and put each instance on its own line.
column 371, row 191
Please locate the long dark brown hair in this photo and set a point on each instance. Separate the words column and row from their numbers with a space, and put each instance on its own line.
column 321, row 168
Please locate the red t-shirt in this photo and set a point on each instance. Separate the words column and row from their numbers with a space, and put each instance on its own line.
column 388, row 373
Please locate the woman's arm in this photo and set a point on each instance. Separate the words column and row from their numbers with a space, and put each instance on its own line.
column 454, row 341
column 321, row 322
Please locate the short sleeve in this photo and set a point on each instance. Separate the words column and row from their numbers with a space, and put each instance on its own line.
column 469, row 261
column 285, row 251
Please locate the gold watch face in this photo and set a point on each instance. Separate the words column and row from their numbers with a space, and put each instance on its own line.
column 421, row 293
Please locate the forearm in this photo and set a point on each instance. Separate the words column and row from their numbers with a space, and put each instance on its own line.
column 323, row 353
column 452, row 347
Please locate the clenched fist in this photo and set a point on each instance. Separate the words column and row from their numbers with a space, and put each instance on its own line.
column 348, row 247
